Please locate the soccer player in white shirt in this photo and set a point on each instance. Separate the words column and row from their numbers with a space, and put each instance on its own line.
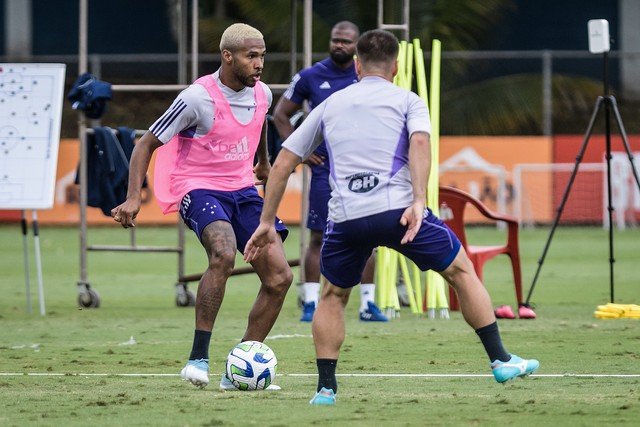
column 377, row 136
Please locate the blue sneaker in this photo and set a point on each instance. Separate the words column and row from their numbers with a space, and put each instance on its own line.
column 515, row 367
column 308, row 308
column 325, row 396
column 196, row 372
column 372, row 314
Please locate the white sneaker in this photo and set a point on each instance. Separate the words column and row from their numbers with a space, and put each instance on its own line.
column 196, row 372
column 515, row 367
column 227, row 385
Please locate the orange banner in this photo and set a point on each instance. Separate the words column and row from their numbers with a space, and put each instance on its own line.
column 483, row 166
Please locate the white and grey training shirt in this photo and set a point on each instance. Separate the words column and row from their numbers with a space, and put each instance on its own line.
column 193, row 112
column 366, row 127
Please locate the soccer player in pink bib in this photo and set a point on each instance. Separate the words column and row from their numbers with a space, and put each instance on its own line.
column 206, row 143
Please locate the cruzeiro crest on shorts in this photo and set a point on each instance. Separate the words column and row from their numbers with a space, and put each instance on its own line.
column 363, row 182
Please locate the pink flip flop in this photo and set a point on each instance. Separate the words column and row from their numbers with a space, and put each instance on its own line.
column 504, row 312
column 526, row 312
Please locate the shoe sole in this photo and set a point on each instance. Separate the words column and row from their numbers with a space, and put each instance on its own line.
column 196, row 382
column 330, row 403
column 517, row 376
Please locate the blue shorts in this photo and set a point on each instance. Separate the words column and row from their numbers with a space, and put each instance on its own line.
column 319, row 195
column 347, row 245
column 241, row 208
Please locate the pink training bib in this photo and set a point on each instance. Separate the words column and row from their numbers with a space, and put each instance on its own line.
column 220, row 160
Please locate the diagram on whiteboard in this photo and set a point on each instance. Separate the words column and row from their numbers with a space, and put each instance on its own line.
column 31, row 98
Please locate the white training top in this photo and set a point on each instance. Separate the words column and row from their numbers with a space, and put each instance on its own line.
column 192, row 112
column 366, row 127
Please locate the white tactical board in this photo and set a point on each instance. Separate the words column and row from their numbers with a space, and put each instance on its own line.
column 31, row 98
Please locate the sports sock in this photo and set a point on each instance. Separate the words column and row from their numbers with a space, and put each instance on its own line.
column 327, row 374
column 311, row 292
column 490, row 337
column 200, row 349
column 367, row 293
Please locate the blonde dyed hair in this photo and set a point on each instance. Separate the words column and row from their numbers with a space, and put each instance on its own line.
column 234, row 36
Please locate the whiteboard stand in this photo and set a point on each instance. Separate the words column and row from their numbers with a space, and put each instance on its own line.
column 36, row 240
column 30, row 115
column 25, row 232
column 38, row 259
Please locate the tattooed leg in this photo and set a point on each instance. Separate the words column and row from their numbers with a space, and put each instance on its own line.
column 219, row 241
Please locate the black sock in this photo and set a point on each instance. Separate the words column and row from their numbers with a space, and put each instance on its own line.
column 490, row 337
column 327, row 374
column 200, row 349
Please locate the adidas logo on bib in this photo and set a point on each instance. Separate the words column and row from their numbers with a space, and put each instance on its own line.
column 325, row 85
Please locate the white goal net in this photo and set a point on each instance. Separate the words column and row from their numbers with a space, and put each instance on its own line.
column 539, row 189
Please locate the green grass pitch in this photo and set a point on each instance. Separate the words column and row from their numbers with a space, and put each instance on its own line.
column 89, row 373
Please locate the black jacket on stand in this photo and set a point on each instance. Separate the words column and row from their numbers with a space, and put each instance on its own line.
column 108, row 156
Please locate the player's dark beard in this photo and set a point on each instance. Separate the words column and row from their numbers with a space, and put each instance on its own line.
column 340, row 57
column 246, row 80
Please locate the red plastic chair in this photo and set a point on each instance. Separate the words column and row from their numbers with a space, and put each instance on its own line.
column 452, row 208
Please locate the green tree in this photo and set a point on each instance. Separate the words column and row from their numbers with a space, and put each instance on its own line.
column 476, row 99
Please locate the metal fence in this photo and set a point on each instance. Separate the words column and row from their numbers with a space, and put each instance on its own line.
column 461, row 69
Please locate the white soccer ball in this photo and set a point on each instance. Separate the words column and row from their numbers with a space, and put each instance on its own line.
column 251, row 365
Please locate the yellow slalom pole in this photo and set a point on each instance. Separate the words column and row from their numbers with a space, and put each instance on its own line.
column 387, row 272
column 406, row 82
column 382, row 263
column 434, row 109
column 421, row 88
column 393, row 304
column 409, row 54
column 409, row 66
column 421, row 79
column 417, row 291
column 387, row 259
column 439, row 287
column 408, row 282
column 400, row 77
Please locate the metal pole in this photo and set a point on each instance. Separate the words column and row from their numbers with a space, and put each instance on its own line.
column 306, row 43
column 82, row 37
column 180, row 284
column 607, row 125
column 402, row 27
column 194, row 40
column 293, row 60
column 547, row 93
column 82, row 130
column 405, row 17
column 182, row 42
column 306, row 59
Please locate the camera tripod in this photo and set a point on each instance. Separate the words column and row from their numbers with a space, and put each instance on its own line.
column 609, row 103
